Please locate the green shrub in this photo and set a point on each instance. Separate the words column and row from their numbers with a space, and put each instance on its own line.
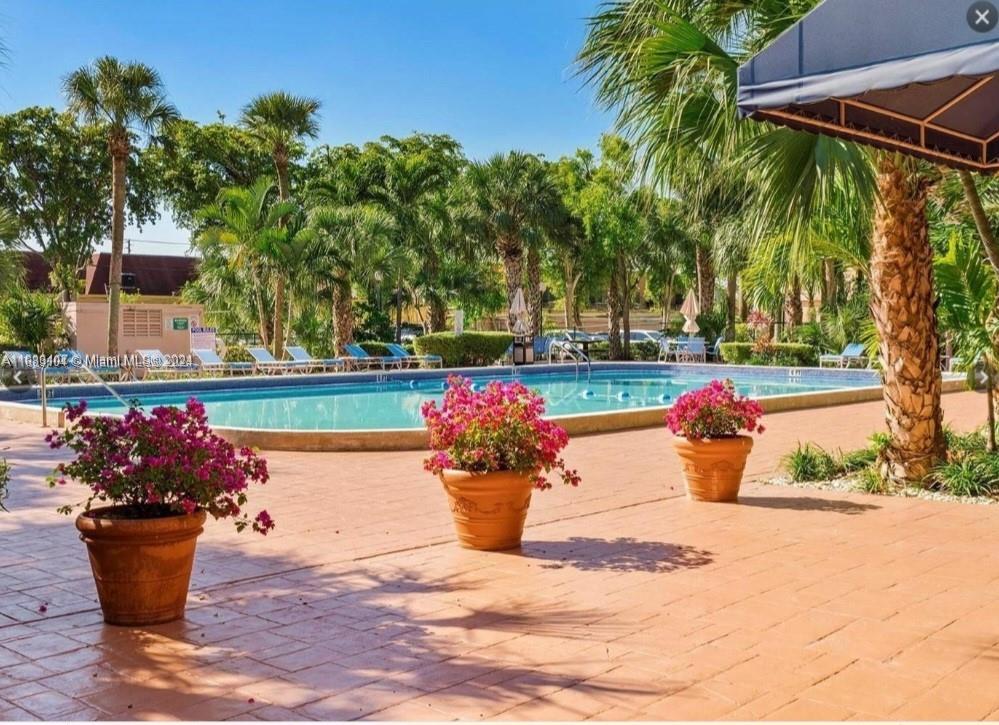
column 869, row 480
column 237, row 352
column 784, row 354
column 854, row 461
column 472, row 349
column 34, row 320
column 810, row 463
column 742, row 332
column 810, row 333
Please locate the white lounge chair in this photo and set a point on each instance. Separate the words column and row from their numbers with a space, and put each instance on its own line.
column 300, row 355
column 155, row 362
column 405, row 358
column 359, row 356
column 264, row 362
column 852, row 353
column 210, row 362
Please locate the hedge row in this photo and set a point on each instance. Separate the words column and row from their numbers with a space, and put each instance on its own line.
column 471, row 349
column 790, row 354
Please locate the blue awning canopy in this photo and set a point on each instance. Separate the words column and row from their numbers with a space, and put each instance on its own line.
column 917, row 76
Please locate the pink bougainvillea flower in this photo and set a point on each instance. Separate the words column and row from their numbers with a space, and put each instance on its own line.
column 500, row 427
column 714, row 411
column 166, row 461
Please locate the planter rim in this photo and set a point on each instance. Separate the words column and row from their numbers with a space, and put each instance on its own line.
column 462, row 472
column 699, row 441
column 92, row 523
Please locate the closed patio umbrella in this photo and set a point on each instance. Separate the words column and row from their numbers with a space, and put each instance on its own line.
column 518, row 310
column 690, row 310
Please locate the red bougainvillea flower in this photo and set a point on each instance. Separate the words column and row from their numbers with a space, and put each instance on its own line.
column 166, row 461
column 714, row 411
column 498, row 428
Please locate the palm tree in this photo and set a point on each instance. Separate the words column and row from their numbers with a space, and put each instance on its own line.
column 280, row 121
column 669, row 67
column 10, row 268
column 406, row 190
column 245, row 227
column 513, row 204
column 351, row 246
column 969, row 309
column 123, row 99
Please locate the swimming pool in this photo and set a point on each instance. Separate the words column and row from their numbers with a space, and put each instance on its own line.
column 392, row 401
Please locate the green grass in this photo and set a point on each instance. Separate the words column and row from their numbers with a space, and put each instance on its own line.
column 969, row 471
column 809, row 462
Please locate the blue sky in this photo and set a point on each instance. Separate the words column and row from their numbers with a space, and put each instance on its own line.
column 495, row 74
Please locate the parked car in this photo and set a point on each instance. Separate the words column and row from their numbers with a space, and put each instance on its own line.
column 646, row 336
column 411, row 332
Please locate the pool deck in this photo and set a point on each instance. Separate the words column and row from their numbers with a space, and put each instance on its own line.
column 626, row 602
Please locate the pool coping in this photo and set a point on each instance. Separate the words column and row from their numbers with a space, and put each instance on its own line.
column 401, row 439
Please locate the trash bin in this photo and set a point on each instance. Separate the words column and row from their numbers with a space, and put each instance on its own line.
column 523, row 350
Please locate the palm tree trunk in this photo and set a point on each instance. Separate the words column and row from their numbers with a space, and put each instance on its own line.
column 438, row 314
column 705, row 279
column 830, row 286
column 398, row 308
column 513, row 265
column 343, row 317
column 571, row 280
column 793, row 313
column 614, row 316
column 278, row 339
column 985, row 233
column 733, row 304
column 534, row 293
column 668, row 303
column 119, row 155
column 625, row 290
column 990, row 391
column 902, row 304
column 284, row 193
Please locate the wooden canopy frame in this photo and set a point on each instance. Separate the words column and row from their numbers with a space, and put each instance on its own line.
column 928, row 138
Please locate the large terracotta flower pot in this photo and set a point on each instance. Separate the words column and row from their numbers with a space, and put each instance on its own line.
column 712, row 468
column 142, row 567
column 489, row 509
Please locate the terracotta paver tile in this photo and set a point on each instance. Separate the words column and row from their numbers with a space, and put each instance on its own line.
column 869, row 639
column 692, row 703
column 867, row 687
column 943, row 703
column 809, row 710
column 359, row 701
column 626, row 602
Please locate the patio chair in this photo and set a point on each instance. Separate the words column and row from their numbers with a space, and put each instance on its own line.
column 210, row 362
column 359, row 356
column 300, row 355
column 695, row 350
column 714, row 354
column 398, row 351
column 155, row 363
column 852, row 353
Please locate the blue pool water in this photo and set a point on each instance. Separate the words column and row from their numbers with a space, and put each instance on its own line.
column 395, row 402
